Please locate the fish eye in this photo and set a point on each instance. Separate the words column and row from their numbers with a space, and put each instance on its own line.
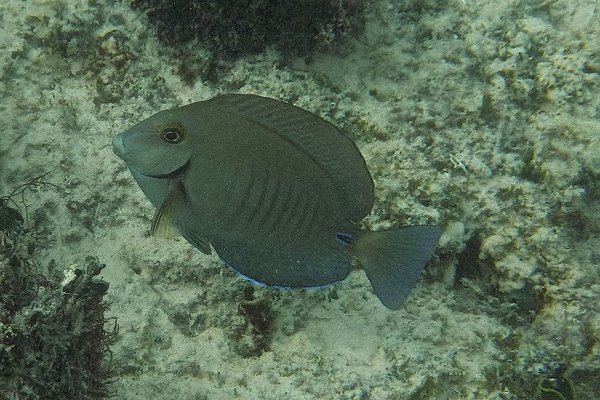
column 172, row 135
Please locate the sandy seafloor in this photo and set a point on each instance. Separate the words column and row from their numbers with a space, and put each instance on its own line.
column 481, row 115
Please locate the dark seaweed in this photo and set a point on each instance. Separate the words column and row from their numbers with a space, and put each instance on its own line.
column 234, row 28
column 53, row 341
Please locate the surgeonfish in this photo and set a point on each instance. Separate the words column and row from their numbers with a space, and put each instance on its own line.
column 276, row 191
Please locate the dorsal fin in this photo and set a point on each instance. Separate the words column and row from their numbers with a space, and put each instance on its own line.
column 335, row 153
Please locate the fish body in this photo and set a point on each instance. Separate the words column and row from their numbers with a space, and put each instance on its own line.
column 274, row 189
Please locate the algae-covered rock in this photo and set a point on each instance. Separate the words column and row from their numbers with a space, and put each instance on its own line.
column 53, row 344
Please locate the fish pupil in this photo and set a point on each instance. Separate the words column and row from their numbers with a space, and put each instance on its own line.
column 172, row 135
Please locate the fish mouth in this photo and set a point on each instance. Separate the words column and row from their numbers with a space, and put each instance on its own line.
column 119, row 150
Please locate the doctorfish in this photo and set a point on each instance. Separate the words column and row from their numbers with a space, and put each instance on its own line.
column 276, row 191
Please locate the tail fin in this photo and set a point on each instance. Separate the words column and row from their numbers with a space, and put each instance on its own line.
column 393, row 259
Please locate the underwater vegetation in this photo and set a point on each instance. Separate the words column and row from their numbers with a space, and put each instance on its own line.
column 554, row 389
column 234, row 28
column 253, row 337
column 53, row 342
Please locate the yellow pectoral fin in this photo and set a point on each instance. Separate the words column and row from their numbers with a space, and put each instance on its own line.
column 163, row 224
